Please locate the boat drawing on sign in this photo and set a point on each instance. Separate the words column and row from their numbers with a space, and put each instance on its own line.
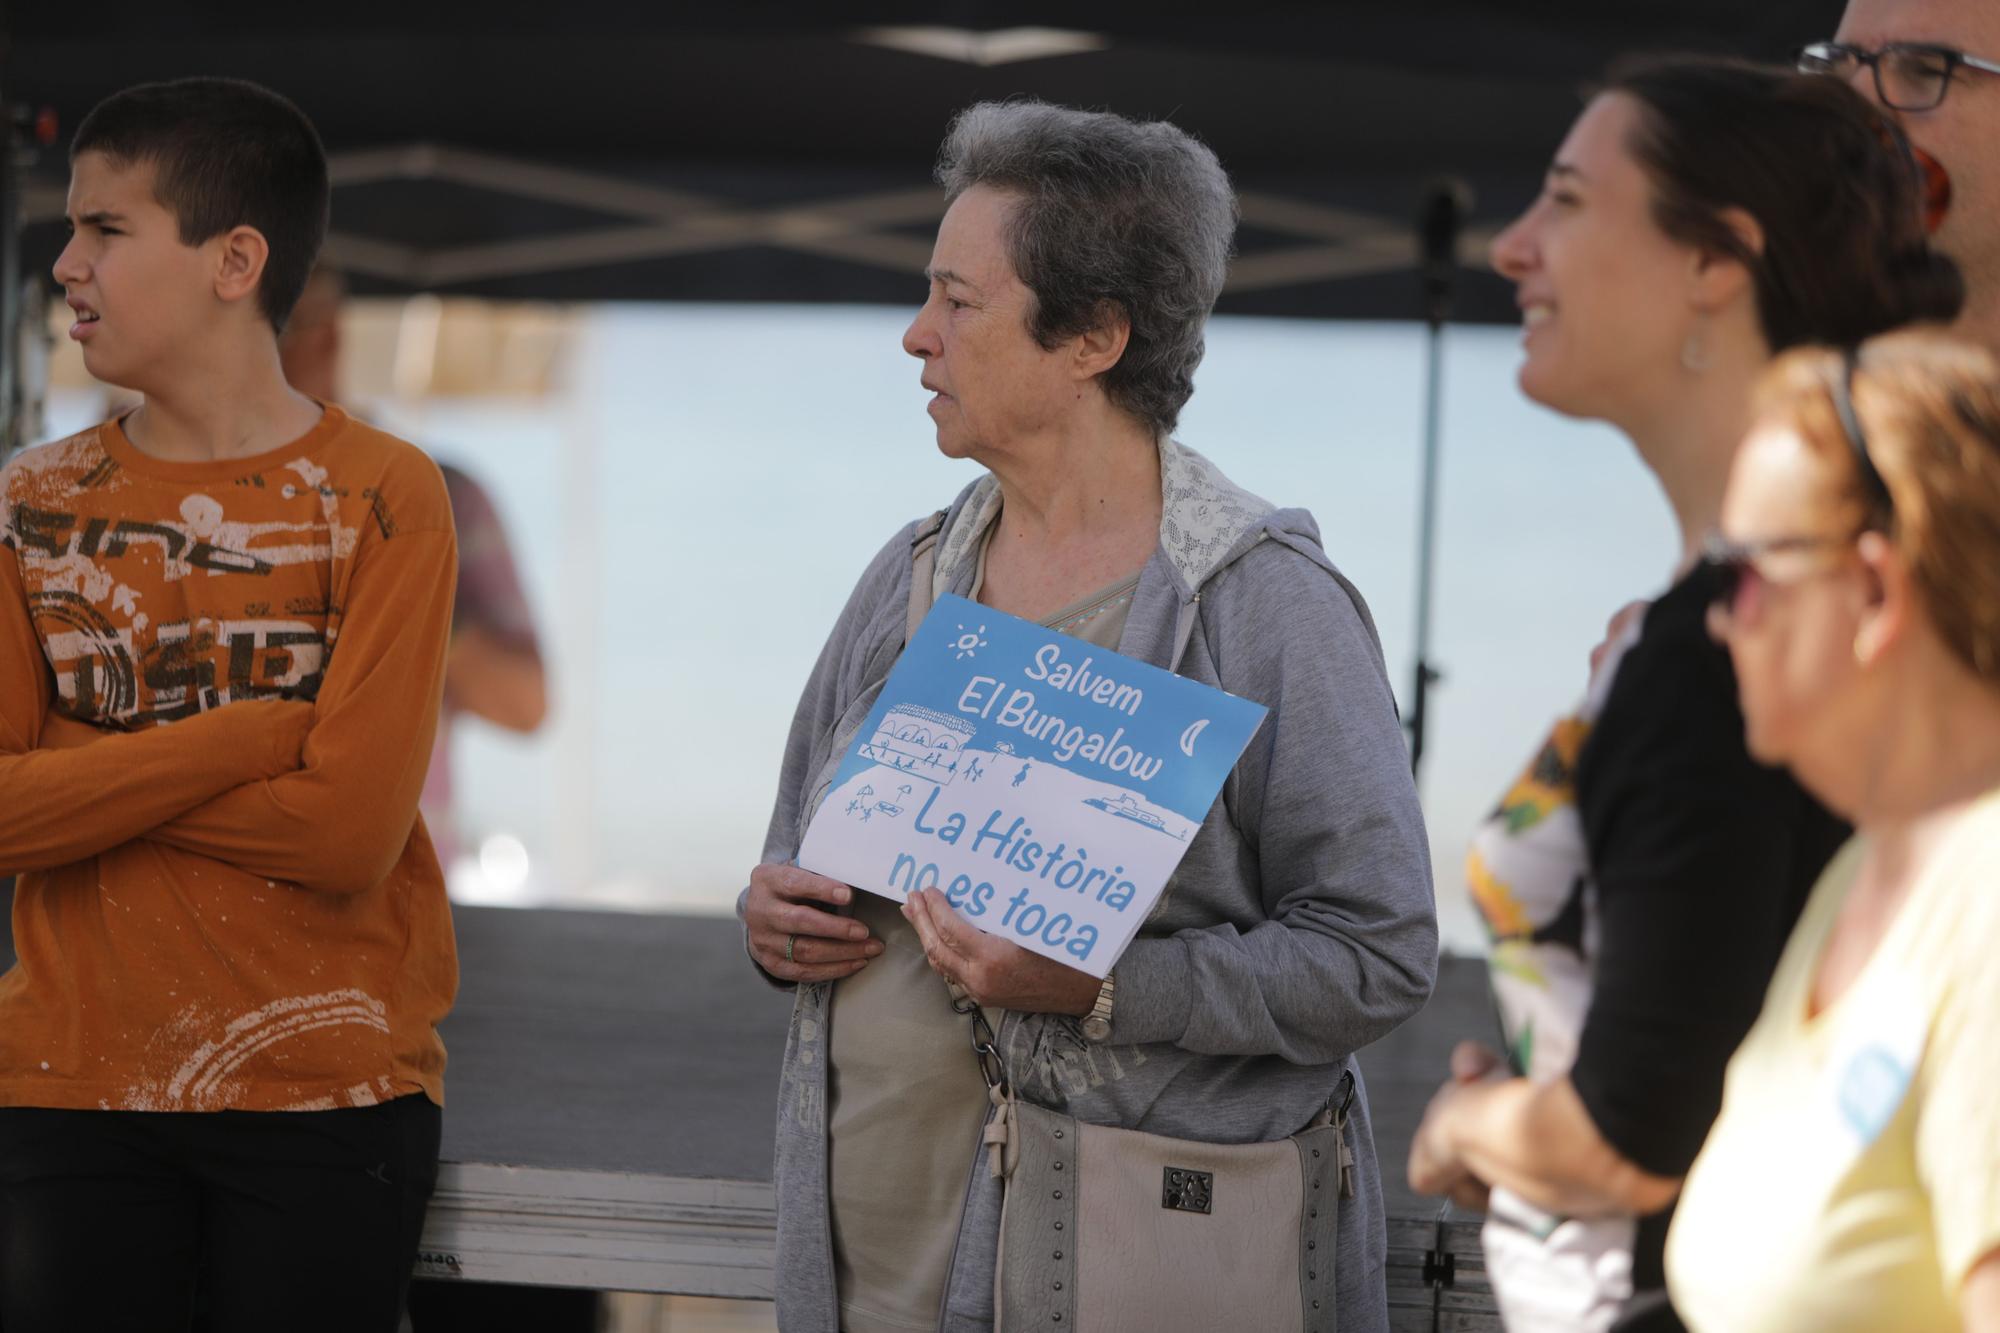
column 919, row 742
column 1123, row 806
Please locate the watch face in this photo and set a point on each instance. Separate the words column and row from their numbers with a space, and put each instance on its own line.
column 1096, row 1029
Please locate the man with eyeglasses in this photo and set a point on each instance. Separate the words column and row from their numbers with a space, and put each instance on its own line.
column 1935, row 65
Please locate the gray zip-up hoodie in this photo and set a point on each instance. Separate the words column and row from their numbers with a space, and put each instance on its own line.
column 1299, row 927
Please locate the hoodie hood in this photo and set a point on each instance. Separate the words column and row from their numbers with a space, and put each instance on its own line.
column 1207, row 521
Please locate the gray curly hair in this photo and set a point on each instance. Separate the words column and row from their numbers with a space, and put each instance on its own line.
column 1135, row 217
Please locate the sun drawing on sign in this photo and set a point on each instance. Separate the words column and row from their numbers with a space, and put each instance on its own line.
column 968, row 641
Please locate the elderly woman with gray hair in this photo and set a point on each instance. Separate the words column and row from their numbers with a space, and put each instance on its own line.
column 1070, row 284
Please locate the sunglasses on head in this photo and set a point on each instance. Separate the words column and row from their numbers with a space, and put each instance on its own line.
column 1880, row 500
column 1735, row 583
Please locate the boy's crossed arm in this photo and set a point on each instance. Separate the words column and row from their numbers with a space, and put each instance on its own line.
column 335, row 817
column 339, row 824
column 59, row 805
column 64, row 804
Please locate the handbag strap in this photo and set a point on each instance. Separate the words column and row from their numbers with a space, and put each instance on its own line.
column 923, row 566
column 923, row 563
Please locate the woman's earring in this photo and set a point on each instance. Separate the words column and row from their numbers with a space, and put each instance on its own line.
column 1694, row 352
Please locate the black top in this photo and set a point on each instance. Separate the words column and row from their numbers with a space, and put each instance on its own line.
column 1703, row 859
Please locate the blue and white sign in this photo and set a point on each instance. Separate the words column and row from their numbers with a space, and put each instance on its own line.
column 1047, row 786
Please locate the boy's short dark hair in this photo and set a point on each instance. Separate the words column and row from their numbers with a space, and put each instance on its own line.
column 225, row 153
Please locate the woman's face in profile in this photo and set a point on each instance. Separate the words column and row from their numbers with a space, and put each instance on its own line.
column 1605, row 295
column 991, row 384
column 1791, row 626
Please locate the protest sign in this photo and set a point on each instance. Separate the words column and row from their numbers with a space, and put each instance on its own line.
column 1047, row 786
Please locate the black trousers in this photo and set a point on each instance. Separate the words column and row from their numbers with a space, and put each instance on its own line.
column 222, row 1221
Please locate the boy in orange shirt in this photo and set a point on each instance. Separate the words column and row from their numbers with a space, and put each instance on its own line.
column 223, row 621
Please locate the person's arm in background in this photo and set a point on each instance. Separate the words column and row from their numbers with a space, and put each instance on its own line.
column 60, row 805
column 496, row 679
column 1537, row 1139
column 494, row 669
column 1692, row 848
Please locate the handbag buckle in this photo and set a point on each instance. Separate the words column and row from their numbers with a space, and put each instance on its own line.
column 1187, row 1191
column 984, row 1049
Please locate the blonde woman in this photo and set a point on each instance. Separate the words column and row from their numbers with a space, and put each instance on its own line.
column 1852, row 1180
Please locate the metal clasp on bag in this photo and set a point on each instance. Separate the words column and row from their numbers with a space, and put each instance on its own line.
column 1346, row 1153
column 983, row 1040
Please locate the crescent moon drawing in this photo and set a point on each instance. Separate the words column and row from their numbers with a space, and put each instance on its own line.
column 1187, row 737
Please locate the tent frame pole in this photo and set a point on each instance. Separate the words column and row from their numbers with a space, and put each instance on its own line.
column 1438, row 226
column 1427, row 675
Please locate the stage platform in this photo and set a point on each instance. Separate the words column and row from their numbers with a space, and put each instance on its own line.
column 609, row 1114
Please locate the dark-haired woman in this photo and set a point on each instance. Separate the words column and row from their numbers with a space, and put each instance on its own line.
column 1640, row 879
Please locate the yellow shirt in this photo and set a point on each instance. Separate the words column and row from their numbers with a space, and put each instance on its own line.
column 1852, row 1180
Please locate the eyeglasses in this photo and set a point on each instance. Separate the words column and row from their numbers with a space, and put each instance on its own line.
column 1909, row 76
column 1736, row 585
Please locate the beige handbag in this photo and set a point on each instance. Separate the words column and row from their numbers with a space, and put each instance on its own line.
column 1113, row 1231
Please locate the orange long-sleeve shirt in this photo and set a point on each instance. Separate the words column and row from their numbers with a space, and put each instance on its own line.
column 218, row 687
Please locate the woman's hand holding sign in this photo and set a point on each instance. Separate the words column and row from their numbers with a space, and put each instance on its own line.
column 796, row 941
column 994, row 971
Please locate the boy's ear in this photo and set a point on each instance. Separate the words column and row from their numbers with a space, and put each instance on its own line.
column 241, row 253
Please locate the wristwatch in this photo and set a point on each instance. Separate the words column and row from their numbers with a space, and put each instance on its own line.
column 1097, row 1025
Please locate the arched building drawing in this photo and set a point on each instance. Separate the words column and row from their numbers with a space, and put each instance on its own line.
column 919, row 741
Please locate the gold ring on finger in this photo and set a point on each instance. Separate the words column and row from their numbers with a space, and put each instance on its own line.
column 791, row 941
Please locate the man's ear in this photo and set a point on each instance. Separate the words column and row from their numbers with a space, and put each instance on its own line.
column 240, row 256
column 1718, row 278
column 1102, row 346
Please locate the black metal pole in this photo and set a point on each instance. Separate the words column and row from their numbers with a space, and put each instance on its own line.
column 1439, row 224
column 11, row 149
column 24, row 133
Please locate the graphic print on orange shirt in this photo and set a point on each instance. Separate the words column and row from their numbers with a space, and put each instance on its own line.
column 198, row 927
column 115, row 662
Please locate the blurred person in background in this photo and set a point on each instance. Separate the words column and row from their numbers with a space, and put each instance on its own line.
column 493, row 669
column 1852, row 1181
column 1934, row 65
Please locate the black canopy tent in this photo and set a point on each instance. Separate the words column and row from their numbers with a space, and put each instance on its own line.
column 779, row 150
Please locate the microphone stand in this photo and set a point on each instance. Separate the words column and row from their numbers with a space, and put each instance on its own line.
column 1439, row 224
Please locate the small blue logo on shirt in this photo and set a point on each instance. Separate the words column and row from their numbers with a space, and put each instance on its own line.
column 1871, row 1089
